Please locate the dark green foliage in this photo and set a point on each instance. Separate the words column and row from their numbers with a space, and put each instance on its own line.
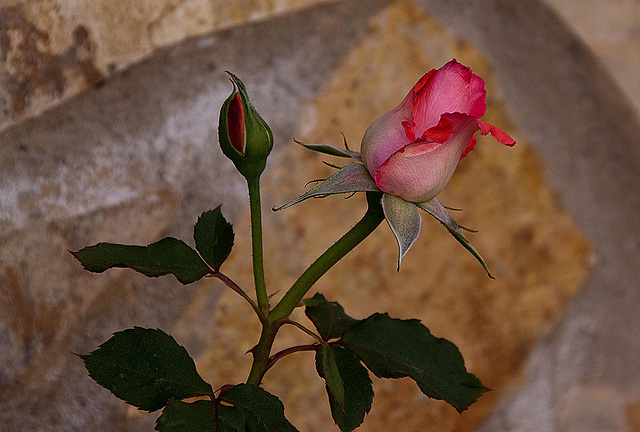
column 187, row 417
column 328, row 317
column 230, row 419
column 358, row 391
column 168, row 255
column 200, row 416
column 393, row 348
column 263, row 411
column 145, row 368
column 214, row 237
column 331, row 375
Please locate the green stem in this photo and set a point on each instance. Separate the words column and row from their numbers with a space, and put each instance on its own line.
column 262, row 351
column 256, row 241
column 369, row 222
column 271, row 324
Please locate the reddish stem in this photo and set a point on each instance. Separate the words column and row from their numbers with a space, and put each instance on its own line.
column 277, row 356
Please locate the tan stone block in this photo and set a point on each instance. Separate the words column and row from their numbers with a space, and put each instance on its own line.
column 633, row 415
column 44, row 58
column 537, row 254
column 54, row 49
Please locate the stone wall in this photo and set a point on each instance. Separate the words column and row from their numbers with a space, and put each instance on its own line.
column 52, row 50
column 108, row 132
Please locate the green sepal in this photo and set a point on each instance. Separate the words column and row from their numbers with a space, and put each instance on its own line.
column 438, row 211
column 404, row 220
column 393, row 348
column 167, row 256
column 352, row 178
column 332, row 150
column 145, row 368
column 214, row 237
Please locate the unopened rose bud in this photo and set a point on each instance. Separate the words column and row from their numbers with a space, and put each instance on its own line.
column 245, row 137
column 413, row 150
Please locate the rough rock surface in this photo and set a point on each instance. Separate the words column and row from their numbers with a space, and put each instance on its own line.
column 129, row 162
column 588, row 134
column 51, row 50
column 539, row 257
column 135, row 159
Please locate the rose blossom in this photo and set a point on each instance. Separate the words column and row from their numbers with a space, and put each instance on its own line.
column 412, row 151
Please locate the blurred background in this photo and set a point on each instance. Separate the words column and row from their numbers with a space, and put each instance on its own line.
column 108, row 132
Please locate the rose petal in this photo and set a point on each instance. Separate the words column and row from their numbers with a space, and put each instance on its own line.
column 499, row 134
column 236, row 124
column 424, row 80
column 470, row 147
column 418, row 172
column 442, row 132
column 387, row 135
column 409, row 130
column 450, row 89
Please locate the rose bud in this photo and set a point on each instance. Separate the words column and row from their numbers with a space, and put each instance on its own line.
column 245, row 137
column 412, row 151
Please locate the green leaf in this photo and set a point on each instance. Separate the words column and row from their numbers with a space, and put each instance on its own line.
column 214, row 237
column 358, row 389
column 200, row 416
column 393, row 348
column 331, row 375
column 438, row 211
column 352, row 178
column 404, row 220
column 263, row 411
column 328, row 317
column 145, row 368
column 230, row 419
column 187, row 417
column 168, row 255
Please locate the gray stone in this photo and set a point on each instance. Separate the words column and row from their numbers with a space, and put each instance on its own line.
column 589, row 136
column 136, row 159
column 131, row 161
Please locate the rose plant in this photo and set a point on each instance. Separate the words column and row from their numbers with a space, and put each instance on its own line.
column 408, row 156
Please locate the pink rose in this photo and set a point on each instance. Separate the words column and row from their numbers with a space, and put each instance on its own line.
column 412, row 151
